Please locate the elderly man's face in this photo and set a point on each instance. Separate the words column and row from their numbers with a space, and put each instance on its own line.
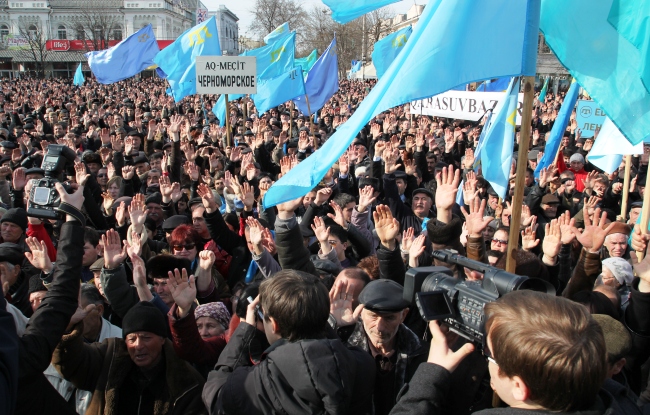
column 381, row 328
column 145, row 348
column 576, row 165
column 634, row 215
column 616, row 244
column 10, row 232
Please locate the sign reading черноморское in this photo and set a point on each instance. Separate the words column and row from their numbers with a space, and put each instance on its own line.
column 226, row 75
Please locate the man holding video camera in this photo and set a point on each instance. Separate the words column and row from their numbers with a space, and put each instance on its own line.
column 545, row 354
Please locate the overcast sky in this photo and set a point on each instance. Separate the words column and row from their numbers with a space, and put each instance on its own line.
column 242, row 9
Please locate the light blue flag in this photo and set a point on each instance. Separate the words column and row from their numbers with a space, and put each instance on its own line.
column 307, row 62
column 496, row 156
column 322, row 81
column 273, row 92
column 542, row 93
column 500, row 85
column 277, row 34
column 481, row 140
column 631, row 18
column 219, row 108
column 434, row 60
column 387, row 49
column 356, row 66
column 600, row 59
column 78, row 77
column 344, row 11
column 129, row 57
column 610, row 147
column 275, row 59
column 178, row 60
column 559, row 127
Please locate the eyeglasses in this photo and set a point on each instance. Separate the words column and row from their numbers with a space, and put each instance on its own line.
column 499, row 241
column 188, row 246
column 488, row 354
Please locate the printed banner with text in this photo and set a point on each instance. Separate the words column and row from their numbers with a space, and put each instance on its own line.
column 462, row 105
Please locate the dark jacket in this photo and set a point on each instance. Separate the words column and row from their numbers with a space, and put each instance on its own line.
column 8, row 360
column 319, row 376
column 426, row 392
column 410, row 352
column 47, row 325
column 105, row 368
column 230, row 242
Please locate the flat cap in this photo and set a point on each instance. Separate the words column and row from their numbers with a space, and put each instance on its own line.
column 97, row 265
column 384, row 296
column 8, row 144
column 11, row 253
column 174, row 222
column 617, row 337
column 153, row 198
column 423, row 190
column 550, row 198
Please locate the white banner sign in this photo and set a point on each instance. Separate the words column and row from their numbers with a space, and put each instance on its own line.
column 226, row 75
column 462, row 105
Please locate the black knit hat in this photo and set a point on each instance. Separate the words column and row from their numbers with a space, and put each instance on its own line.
column 17, row 216
column 144, row 316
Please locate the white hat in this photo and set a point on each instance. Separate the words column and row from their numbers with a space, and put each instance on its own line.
column 621, row 269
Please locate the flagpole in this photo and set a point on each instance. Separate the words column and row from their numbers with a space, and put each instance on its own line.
column 227, row 122
column 290, row 121
column 309, row 110
column 522, row 159
column 245, row 109
column 626, row 185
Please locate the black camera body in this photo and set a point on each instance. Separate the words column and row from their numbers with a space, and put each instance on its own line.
column 43, row 197
column 459, row 303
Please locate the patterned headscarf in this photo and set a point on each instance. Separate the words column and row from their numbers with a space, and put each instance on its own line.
column 217, row 311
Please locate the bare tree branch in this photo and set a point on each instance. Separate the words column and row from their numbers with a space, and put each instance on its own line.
column 99, row 26
column 37, row 39
column 269, row 14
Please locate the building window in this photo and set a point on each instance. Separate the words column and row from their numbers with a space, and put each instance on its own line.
column 63, row 34
column 4, row 32
column 79, row 33
column 32, row 31
column 117, row 33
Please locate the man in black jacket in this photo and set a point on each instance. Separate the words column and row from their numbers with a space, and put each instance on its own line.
column 303, row 371
column 49, row 321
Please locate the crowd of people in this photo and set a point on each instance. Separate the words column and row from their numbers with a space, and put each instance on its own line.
column 166, row 287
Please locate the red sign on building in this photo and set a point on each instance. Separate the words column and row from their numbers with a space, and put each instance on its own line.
column 64, row 45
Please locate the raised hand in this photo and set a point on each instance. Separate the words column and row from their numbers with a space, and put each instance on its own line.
column 248, row 195
column 322, row 196
column 165, row 188
column 256, row 234
column 183, row 290
column 593, row 235
column 417, row 248
column 386, row 225
column 475, row 220
column 207, row 197
column 390, row 160
column 114, row 253
column 407, row 239
column 80, row 173
column 366, row 198
column 38, row 256
column 19, row 179
column 128, row 172
column 322, row 234
column 192, row 170
column 206, row 259
column 448, row 181
column 338, row 215
column 344, row 166
column 552, row 242
column 137, row 211
column 567, row 225
column 341, row 300
column 528, row 241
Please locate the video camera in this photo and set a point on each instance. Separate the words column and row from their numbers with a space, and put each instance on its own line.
column 43, row 197
column 460, row 304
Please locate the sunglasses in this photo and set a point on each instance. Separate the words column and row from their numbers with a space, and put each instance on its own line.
column 488, row 354
column 188, row 246
column 499, row 241
column 102, row 175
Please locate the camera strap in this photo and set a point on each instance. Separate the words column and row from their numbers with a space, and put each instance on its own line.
column 68, row 209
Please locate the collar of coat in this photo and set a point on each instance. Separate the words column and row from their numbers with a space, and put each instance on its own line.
column 407, row 342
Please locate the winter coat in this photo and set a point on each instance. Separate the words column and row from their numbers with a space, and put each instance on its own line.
column 48, row 323
column 104, row 368
column 410, row 352
column 316, row 376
